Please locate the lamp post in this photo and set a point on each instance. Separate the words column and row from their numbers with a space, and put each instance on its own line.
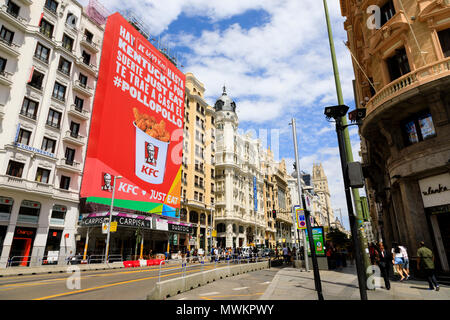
column 110, row 218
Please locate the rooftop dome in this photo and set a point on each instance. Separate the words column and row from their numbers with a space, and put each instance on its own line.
column 225, row 103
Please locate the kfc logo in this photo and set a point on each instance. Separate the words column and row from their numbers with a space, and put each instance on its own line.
column 107, row 182
column 151, row 154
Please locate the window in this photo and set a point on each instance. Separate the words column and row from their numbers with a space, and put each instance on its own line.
column 36, row 80
column 67, row 42
column 64, row 66
column 387, row 12
column 54, row 118
column 2, row 65
column 444, row 39
column 79, row 104
column 70, row 156
column 42, row 175
column 13, row 9
column 46, row 28
column 42, row 53
column 74, row 129
column 83, row 80
column 88, row 36
column 59, row 91
column 71, row 20
column 419, row 128
column 29, row 108
column 48, row 145
column 7, row 35
column 59, row 212
column 398, row 64
column 64, row 183
column 24, row 137
column 51, row 5
column 15, row 169
column 196, row 195
column 86, row 58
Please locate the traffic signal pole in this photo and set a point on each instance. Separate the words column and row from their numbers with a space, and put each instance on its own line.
column 312, row 246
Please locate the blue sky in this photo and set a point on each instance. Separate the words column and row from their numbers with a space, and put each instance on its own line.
column 273, row 56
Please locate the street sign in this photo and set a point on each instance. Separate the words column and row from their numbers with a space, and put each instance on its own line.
column 113, row 226
column 214, row 233
column 300, row 218
column 105, row 228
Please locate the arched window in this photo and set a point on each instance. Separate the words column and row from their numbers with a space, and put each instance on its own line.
column 202, row 218
column 183, row 214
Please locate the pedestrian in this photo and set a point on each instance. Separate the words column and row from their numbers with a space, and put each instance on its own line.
column 289, row 255
column 188, row 256
column 383, row 259
column 372, row 253
column 405, row 261
column 425, row 261
column 285, row 254
column 397, row 260
column 338, row 258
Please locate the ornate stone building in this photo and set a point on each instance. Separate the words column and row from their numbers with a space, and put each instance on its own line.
column 239, row 217
column 402, row 70
column 320, row 184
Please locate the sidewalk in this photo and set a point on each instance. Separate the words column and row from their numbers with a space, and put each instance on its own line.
column 293, row 284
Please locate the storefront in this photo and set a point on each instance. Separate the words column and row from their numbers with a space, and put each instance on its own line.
column 22, row 245
column 436, row 199
column 152, row 234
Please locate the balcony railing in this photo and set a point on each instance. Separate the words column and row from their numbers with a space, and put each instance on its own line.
column 434, row 71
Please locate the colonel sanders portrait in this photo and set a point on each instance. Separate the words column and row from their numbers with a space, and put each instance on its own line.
column 107, row 182
column 151, row 154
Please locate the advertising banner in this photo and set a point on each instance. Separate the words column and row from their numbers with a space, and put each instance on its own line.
column 136, row 127
column 318, row 238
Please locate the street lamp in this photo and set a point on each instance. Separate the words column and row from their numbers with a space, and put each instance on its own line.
column 110, row 218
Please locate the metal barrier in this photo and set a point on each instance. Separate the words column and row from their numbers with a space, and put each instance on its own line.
column 99, row 258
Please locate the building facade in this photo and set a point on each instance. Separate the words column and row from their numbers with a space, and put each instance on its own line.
column 198, row 167
column 239, row 217
column 320, row 184
column 49, row 54
column 402, row 78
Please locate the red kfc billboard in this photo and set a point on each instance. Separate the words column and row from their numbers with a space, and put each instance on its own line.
column 137, row 125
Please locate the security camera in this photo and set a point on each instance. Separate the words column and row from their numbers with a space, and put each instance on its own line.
column 336, row 111
column 357, row 115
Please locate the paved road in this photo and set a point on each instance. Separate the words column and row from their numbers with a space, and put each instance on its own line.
column 119, row 284
column 247, row 286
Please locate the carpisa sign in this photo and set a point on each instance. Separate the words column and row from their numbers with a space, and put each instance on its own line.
column 121, row 221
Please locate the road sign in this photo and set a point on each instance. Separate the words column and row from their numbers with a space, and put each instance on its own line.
column 300, row 218
column 104, row 227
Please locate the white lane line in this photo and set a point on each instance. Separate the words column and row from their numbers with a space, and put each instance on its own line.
column 208, row 294
column 267, row 282
column 182, row 299
column 237, row 289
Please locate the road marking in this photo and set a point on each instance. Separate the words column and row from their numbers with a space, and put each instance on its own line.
column 242, row 288
column 182, row 299
column 233, row 295
column 107, row 286
column 267, row 282
column 208, row 294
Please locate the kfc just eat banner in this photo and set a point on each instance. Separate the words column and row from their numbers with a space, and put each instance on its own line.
column 137, row 125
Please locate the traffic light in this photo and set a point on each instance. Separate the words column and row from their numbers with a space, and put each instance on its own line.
column 274, row 214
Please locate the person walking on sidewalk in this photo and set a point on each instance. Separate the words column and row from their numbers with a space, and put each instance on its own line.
column 405, row 261
column 397, row 260
column 383, row 259
column 426, row 261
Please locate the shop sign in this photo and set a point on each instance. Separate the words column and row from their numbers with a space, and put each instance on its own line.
column 162, row 225
column 121, row 221
column 435, row 190
column 179, row 228
column 23, row 232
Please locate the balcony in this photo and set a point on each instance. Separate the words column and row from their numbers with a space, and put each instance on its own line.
column 10, row 48
column 16, row 20
column 83, row 89
column 90, row 68
column 90, row 44
column 74, row 138
column 42, row 187
column 79, row 113
column 434, row 71
column 69, row 166
column 6, row 78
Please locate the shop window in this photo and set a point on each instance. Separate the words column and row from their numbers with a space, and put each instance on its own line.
column 418, row 128
column 444, row 39
column 398, row 64
column 29, row 211
column 59, row 212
